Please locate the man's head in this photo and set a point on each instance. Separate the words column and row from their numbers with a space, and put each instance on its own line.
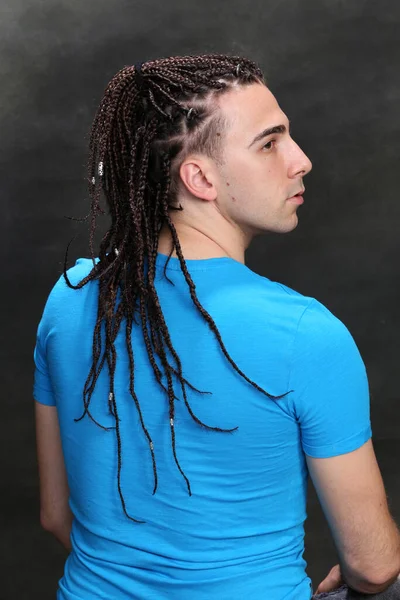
column 257, row 168
column 185, row 133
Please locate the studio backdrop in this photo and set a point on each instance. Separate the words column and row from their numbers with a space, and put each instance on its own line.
column 333, row 66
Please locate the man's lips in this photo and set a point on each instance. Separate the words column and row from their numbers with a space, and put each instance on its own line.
column 298, row 198
column 299, row 193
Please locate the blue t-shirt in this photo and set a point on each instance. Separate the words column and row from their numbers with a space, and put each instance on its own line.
column 241, row 532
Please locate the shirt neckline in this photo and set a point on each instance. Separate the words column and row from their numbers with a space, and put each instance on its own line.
column 194, row 264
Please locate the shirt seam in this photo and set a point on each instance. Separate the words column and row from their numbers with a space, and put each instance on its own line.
column 294, row 341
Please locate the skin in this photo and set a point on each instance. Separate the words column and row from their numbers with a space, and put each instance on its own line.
column 229, row 202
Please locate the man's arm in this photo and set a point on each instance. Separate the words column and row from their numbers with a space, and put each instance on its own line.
column 353, row 498
column 55, row 513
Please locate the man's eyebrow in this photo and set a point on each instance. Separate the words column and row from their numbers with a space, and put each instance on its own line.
column 276, row 129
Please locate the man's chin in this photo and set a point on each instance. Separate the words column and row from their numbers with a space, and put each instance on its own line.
column 286, row 226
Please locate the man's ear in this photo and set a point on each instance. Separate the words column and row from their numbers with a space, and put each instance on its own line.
column 198, row 178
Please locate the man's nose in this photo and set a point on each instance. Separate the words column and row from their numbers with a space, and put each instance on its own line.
column 300, row 163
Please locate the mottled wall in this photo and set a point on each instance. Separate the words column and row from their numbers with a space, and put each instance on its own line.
column 332, row 64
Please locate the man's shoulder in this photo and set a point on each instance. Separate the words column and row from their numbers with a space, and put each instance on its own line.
column 282, row 293
column 75, row 274
column 61, row 292
column 305, row 309
column 81, row 269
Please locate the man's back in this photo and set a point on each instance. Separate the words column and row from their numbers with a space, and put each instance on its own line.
column 241, row 530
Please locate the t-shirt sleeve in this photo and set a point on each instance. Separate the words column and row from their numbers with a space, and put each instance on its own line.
column 330, row 385
column 42, row 388
column 54, row 310
column 43, row 391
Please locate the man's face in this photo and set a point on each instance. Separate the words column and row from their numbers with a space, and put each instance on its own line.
column 257, row 178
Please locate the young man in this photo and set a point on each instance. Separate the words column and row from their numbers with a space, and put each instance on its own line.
column 186, row 478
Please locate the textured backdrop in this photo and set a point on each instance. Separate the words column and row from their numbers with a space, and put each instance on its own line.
column 334, row 67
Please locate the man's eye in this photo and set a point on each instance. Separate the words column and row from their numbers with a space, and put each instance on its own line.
column 268, row 145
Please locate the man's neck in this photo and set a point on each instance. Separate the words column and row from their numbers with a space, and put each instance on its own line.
column 196, row 246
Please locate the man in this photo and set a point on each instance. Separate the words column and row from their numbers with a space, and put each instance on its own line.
column 195, row 158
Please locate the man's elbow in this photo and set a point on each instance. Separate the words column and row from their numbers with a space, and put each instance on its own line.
column 46, row 522
column 60, row 528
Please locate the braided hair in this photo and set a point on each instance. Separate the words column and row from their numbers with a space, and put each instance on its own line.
column 150, row 117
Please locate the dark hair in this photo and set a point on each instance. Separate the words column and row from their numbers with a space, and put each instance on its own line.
column 150, row 117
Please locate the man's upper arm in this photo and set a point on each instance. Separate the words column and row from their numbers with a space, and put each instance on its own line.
column 353, row 498
column 54, row 491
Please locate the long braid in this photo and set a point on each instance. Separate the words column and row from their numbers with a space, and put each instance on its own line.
column 145, row 124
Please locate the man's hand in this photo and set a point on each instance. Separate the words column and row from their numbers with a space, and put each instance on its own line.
column 332, row 581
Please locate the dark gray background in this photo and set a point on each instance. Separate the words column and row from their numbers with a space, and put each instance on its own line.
column 332, row 64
